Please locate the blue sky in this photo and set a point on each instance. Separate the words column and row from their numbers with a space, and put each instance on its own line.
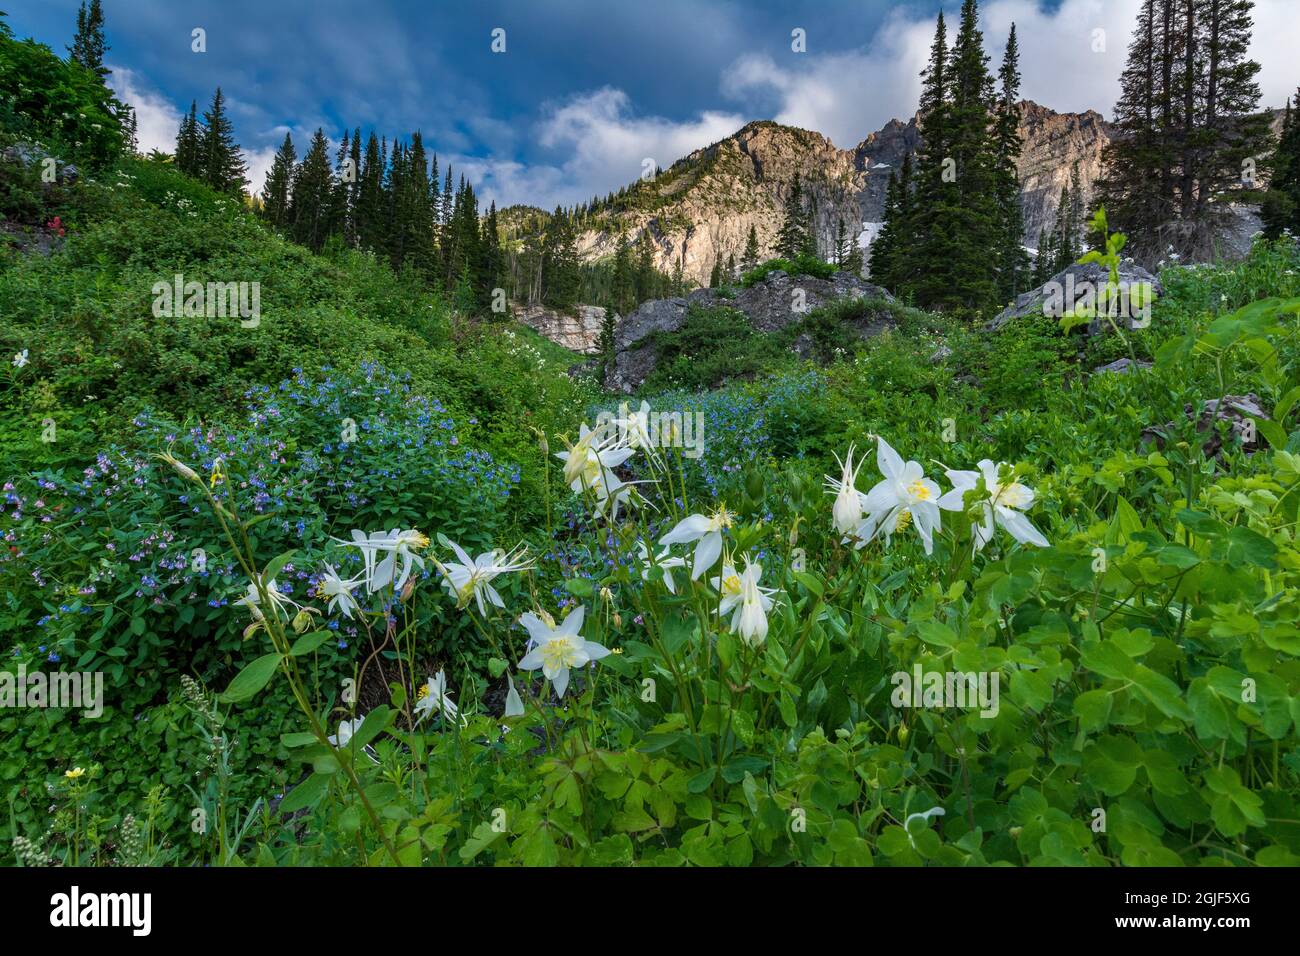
column 586, row 90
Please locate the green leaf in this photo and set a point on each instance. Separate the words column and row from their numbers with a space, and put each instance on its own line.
column 306, row 794
column 701, row 781
column 309, row 642
column 1093, row 710
column 252, row 679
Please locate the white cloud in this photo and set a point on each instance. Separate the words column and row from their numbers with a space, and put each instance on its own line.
column 156, row 119
column 604, row 145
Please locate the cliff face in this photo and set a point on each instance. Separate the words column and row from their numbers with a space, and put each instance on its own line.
column 700, row 210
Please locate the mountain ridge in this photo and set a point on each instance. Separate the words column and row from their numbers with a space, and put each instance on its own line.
column 699, row 210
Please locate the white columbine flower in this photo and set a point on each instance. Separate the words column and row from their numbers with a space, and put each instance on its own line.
column 904, row 496
column 20, row 359
column 660, row 567
column 1004, row 507
column 750, row 619
column 472, row 577
column 395, row 544
column 708, row 532
column 338, row 591
column 589, row 466
column 847, row 511
column 556, row 650
column 346, row 729
column 634, row 427
column 252, row 599
column 435, row 696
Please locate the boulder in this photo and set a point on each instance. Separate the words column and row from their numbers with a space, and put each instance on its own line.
column 1070, row 287
column 1124, row 366
column 774, row 303
column 1237, row 410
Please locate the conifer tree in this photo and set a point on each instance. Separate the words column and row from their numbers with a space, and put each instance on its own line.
column 220, row 164
column 622, row 297
column 88, row 45
column 1281, row 207
column 1011, row 260
column 647, row 277
column 277, row 192
column 313, row 187
column 792, row 240
column 560, row 278
column 187, row 142
column 749, row 258
column 1187, row 126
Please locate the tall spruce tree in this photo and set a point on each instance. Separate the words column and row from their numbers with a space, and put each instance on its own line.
column 1188, row 126
column 220, row 164
column 88, row 44
column 1281, row 207
column 1011, row 260
column 278, row 189
column 560, row 274
column 749, row 258
column 792, row 240
column 313, row 187
column 187, row 142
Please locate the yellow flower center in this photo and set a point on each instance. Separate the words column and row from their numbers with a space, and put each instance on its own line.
column 731, row 584
column 721, row 519
column 919, row 490
column 559, row 653
column 904, row 519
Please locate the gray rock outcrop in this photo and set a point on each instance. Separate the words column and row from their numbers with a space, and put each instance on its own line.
column 1070, row 287
column 773, row 304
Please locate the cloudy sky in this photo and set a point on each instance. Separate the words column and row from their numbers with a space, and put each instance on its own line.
column 586, row 90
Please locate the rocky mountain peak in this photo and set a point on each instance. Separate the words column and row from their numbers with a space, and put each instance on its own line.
column 700, row 210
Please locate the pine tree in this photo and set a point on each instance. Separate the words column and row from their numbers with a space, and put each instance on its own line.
column 1187, row 125
column 715, row 274
column 884, row 247
column 935, row 198
column 731, row 269
column 370, row 188
column 88, row 45
column 622, row 297
column 187, row 142
column 1281, row 207
column 560, row 274
column 220, row 164
column 313, row 185
column 1011, row 260
column 647, row 277
column 277, row 192
column 792, row 240
column 749, row 258
column 975, row 218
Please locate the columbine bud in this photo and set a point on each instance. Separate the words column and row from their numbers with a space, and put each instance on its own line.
column 182, row 469
column 301, row 621
column 407, row 590
column 618, row 619
column 903, row 733
column 607, row 595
